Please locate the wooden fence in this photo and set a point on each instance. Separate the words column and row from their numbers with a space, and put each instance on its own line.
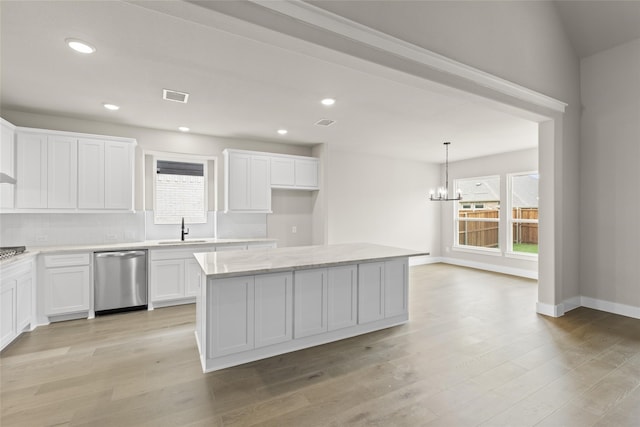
column 485, row 234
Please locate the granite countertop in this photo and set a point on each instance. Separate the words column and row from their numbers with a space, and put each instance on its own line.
column 146, row 244
column 235, row 263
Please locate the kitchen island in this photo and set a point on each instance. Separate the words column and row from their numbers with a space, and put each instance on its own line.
column 262, row 303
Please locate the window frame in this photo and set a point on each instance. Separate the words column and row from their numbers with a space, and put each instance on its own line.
column 509, row 252
column 456, row 219
column 187, row 158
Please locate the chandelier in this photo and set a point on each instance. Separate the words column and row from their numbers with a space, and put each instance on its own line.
column 443, row 192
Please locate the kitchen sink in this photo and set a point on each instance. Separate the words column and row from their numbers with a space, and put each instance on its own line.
column 173, row 242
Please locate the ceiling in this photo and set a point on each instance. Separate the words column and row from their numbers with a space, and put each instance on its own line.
column 239, row 86
column 594, row 26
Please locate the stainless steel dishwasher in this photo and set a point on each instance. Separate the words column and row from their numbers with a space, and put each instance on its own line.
column 120, row 281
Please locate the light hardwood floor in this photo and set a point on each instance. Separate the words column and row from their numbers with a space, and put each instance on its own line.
column 473, row 353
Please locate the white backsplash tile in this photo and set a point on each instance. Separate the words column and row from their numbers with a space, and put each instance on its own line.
column 246, row 225
column 172, row 231
column 70, row 228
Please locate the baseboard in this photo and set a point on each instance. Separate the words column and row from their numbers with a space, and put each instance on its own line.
column 492, row 267
column 423, row 260
column 549, row 309
column 571, row 304
column 611, row 307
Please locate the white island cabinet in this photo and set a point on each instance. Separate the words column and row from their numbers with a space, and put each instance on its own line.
column 262, row 303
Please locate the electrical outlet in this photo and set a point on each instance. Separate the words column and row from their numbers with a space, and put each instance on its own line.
column 294, row 229
column 40, row 238
column 111, row 237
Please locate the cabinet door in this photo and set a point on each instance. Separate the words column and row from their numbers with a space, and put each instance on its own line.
column 194, row 272
column 7, row 159
column 8, row 327
column 90, row 174
column 395, row 288
column 118, row 175
column 167, row 279
column 231, row 316
column 306, row 173
column 342, row 297
column 62, row 172
column 370, row 292
column 310, row 302
column 238, row 175
column 31, row 179
column 282, row 172
column 273, row 308
column 24, row 292
column 67, row 290
column 260, row 188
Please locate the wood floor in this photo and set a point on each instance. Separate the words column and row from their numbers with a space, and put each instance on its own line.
column 473, row 353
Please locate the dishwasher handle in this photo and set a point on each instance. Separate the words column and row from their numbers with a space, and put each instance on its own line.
column 130, row 254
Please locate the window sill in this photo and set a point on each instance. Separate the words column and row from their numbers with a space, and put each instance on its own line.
column 479, row 251
column 521, row 255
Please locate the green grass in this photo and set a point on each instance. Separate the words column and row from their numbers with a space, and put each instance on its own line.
column 530, row 248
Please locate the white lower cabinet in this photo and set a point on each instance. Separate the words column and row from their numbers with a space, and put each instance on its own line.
column 273, row 309
column 16, row 300
column 342, row 297
column 250, row 312
column 382, row 290
column 168, row 279
column 67, row 290
column 193, row 272
column 67, row 283
column 231, row 303
column 8, row 324
column 370, row 292
column 310, row 302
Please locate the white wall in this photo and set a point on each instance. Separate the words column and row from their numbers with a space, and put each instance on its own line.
column 382, row 200
column 501, row 164
column 610, row 179
column 523, row 42
column 176, row 142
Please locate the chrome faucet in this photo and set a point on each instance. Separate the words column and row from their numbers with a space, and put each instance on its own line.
column 183, row 232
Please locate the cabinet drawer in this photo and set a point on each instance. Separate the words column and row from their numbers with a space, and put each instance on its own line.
column 66, row 260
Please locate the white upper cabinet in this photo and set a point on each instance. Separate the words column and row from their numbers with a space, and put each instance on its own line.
column 306, row 173
column 63, row 170
column 31, row 174
column 7, row 163
column 283, row 172
column 250, row 175
column 247, row 183
column 294, row 172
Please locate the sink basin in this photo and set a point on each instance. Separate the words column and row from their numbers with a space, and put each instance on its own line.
column 174, row 242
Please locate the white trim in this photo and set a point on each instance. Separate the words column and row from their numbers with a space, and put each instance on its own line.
column 571, row 304
column 478, row 250
column 344, row 27
column 423, row 260
column 550, row 310
column 611, row 307
column 520, row 272
column 525, row 256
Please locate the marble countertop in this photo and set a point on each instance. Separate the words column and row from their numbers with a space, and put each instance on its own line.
column 145, row 244
column 240, row 263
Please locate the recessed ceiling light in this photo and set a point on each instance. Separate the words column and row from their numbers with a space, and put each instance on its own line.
column 282, row 131
column 80, row 46
column 111, row 107
column 328, row 101
column 183, row 129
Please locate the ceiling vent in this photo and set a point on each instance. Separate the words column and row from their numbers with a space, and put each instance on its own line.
column 174, row 95
column 325, row 122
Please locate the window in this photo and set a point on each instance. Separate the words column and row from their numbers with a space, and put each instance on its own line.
column 523, row 219
column 180, row 189
column 477, row 215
